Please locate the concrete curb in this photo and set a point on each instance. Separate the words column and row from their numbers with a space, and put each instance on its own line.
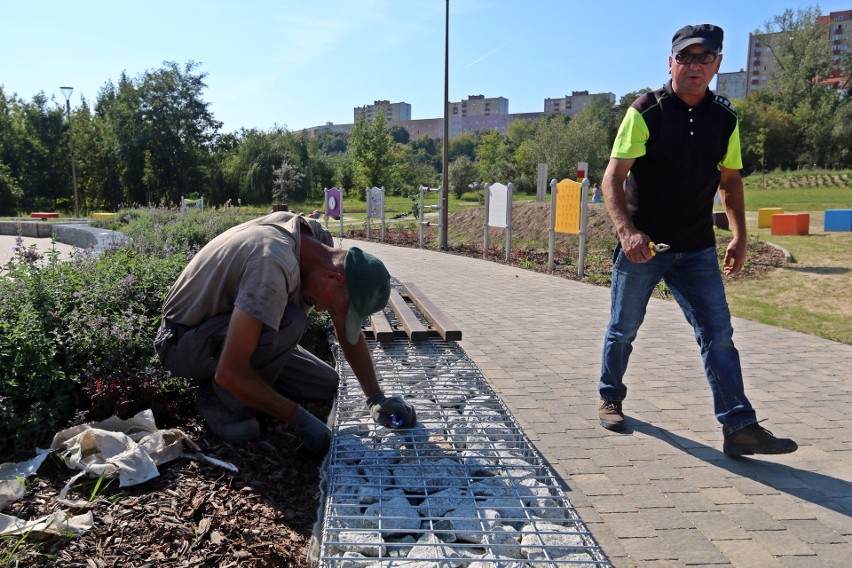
column 787, row 256
column 77, row 234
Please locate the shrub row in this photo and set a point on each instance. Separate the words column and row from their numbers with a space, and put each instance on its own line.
column 76, row 335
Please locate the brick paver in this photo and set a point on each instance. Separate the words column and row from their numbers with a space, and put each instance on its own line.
column 537, row 339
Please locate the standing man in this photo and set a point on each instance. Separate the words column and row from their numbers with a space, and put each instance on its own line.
column 233, row 320
column 676, row 146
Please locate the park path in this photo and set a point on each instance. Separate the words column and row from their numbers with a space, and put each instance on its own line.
column 662, row 494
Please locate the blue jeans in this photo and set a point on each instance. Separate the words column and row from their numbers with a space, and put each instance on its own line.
column 694, row 280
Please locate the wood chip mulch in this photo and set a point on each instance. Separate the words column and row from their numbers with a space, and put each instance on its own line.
column 193, row 514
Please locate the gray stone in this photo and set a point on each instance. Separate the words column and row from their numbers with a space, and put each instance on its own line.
column 395, row 515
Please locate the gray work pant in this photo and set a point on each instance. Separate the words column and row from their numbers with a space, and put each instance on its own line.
column 193, row 353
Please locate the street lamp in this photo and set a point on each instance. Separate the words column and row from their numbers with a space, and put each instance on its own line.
column 66, row 92
column 445, row 183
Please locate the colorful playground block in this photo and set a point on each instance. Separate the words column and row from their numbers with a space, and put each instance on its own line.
column 838, row 220
column 764, row 216
column 791, row 223
column 41, row 215
column 720, row 219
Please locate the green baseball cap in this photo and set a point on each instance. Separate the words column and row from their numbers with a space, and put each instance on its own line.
column 368, row 282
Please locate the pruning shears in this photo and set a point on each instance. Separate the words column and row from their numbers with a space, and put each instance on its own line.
column 655, row 248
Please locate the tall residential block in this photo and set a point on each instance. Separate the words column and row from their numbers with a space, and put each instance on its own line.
column 839, row 36
column 762, row 63
column 575, row 102
column 731, row 85
column 478, row 105
column 393, row 111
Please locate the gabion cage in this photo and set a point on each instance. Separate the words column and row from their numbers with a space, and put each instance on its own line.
column 463, row 488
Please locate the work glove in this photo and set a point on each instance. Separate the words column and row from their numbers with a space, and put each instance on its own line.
column 315, row 435
column 392, row 412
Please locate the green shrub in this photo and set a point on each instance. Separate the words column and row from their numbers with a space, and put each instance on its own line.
column 76, row 336
column 61, row 321
column 157, row 230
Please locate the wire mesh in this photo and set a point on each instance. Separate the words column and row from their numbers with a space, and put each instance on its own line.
column 464, row 487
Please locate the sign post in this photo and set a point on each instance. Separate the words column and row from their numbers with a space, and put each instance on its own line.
column 375, row 208
column 583, row 168
column 498, row 213
column 541, row 183
column 566, row 216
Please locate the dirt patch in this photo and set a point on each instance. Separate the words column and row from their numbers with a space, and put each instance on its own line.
column 529, row 247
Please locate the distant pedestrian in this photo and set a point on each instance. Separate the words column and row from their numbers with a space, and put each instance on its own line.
column 680, row 144
column 597, row 194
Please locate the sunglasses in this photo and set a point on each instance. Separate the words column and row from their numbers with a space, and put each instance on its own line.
column 686, row 58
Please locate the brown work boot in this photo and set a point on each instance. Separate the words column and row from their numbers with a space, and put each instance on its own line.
column 612, row 418
column 755, row 439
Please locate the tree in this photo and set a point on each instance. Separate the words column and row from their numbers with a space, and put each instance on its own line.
column 399, row 134
column 463, row 144
column 767, row 135
column 796, row 39
column 369, row 145
column 462, row 174
column 249, row 167
column 495, row 158
column 179, row 128
column 285, row 181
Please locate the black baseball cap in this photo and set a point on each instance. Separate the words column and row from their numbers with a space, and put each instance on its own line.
column 704, row 34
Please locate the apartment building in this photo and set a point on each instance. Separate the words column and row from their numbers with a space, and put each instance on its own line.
column 393, row 111
column 762, row 64
column 731, row 85
column 575, row 102
column 478, row 105
column 839, row 37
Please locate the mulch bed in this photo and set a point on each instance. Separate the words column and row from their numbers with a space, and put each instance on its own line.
column 193, row 514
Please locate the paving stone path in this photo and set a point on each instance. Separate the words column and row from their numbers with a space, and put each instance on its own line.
column 662, row 494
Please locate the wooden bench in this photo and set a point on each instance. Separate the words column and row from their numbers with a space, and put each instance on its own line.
column 410, row 326
column 41, row 215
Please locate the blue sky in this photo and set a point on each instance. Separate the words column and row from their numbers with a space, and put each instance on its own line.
column 301, row 63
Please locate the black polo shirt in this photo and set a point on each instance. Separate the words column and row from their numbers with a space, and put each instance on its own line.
column 678, row 151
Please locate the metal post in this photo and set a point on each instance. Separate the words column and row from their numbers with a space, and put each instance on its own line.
column 66, row 92
column 383, row 213
column 446, row 180
column 487, row 203
column 551, row 245
column 583, row 212
column 369, row 219
column 509, row 221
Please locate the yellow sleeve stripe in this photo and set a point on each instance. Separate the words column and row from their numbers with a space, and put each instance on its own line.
column 733, row 159
column 632, row 136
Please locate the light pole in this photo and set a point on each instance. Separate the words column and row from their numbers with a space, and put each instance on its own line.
column 66, row 92
column 445, row 177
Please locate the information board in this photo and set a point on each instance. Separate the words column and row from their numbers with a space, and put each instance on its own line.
column 498, row 199
column 332, row 202
column 376, row 202
column 568, row 194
